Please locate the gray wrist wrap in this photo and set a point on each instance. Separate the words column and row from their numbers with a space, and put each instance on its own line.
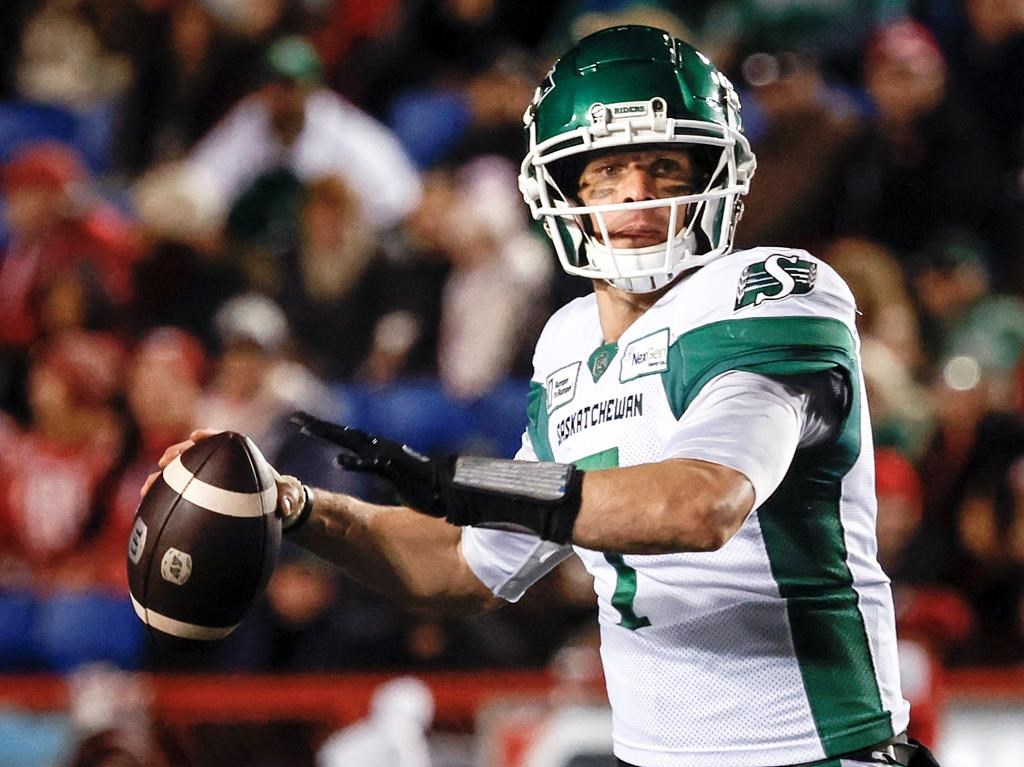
column 534, row 481
column 543, row 498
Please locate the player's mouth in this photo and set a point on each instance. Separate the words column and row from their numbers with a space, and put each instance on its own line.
column 636, row 236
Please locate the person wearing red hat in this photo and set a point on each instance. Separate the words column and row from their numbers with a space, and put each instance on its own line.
column 923, row 161
column 69, row 256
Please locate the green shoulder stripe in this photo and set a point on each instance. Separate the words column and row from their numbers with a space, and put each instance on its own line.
column 537, row 424
column 801, row 523
column 802, row 527
column 768, row 345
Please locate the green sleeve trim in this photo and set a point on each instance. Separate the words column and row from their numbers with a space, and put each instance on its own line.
column 537, row 425
column 606, row 459
column 770, row 346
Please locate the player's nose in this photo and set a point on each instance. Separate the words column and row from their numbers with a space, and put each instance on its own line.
column 637, row 185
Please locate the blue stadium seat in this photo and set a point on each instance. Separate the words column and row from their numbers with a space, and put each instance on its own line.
column 91, row 133
column 499, row 418
column 423, row 415
column 429, row 122
column 17, row 614
column 22, row 122
column 77, row 627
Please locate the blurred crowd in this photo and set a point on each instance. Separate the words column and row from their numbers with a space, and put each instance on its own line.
column 217, row 211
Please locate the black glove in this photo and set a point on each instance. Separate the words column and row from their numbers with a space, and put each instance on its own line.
column 543, row 498
column 414, row 476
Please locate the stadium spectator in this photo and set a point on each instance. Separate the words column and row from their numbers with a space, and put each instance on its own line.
column 357, row 42
column 163, row 382
column 254, row 386
column 188, row 71
column 437, row 45
column 263, row 225
column 338, row 283
column 69, row 255
column 988, row 559
column 961, row 315
column 922, row 162
column 55, row 474
column 65, row 61
column 184, row 274
column 446, row 123
column 891, row 350
column 928, row 611
column 885, row 307
column 804, row 129
column 393, row 735
column 112, row 719
column 294, row 121
column 496, row 293
column 984, row 43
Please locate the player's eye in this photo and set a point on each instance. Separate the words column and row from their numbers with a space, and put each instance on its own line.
column 670, row 169
column 606, row 171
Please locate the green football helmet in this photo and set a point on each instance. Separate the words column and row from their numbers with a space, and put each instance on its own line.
column 635, row 87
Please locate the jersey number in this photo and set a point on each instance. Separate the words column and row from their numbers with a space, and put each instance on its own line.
column 625, row 576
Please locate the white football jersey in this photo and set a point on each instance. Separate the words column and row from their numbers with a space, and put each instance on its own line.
column 779, row 648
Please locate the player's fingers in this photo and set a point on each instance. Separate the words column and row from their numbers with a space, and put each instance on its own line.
column 173, row 452
column 335, row 434
column 290, row 496
column 180, row 447
column 352, row 462
column 148, row 483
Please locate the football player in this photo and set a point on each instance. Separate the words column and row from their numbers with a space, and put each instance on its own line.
column 697, row 434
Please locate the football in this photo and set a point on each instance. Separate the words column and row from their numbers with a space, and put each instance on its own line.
column 205, row 540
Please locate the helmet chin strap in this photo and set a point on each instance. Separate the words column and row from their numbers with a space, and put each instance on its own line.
column 641, row 285
column 651, row 256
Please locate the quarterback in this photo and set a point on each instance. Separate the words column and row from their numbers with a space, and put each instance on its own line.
column 697, row 434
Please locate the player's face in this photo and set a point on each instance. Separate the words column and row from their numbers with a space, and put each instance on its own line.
column 634, row 176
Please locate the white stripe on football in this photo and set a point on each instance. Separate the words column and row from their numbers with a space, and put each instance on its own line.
column 217, row 499
column 179, row 628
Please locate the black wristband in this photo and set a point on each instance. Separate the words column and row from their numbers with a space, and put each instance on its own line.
column 299, row 519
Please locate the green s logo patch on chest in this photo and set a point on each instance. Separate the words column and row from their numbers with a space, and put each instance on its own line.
column 775, row 278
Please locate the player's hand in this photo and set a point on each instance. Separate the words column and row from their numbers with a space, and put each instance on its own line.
column 290, row 496
column 173, row 452
column 414, row 476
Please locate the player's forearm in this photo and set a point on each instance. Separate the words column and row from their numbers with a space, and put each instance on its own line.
column 672, row 506
column 394, row 551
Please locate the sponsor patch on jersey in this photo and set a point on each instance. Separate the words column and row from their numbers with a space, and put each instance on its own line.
column 645, row 356
column 778, row 276
column 561, row 386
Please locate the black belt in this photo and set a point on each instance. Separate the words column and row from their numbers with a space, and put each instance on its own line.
column 896, row 750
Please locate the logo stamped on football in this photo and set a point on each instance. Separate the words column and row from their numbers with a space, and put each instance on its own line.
column 176, row 566
column 138, row 541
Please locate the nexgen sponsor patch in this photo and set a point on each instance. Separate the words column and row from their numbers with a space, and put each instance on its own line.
column 645, row 356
